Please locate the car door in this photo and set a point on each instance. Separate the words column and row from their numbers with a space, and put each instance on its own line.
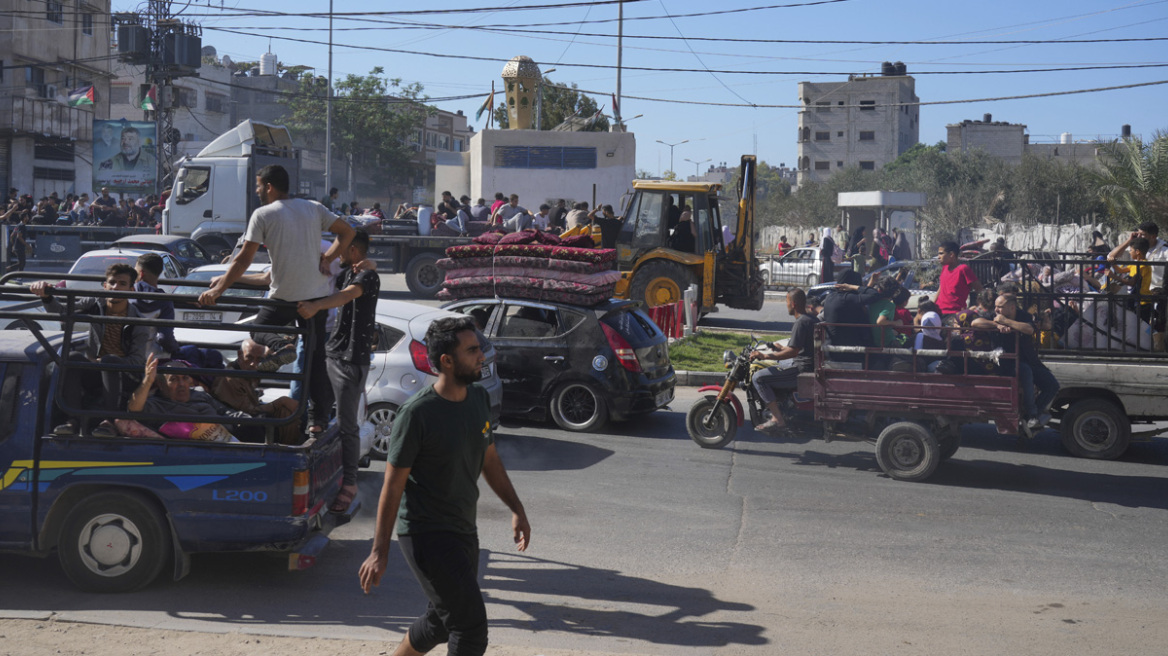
column 531, row 350
column 171, row 269
column 17, row 412
column 786, row 270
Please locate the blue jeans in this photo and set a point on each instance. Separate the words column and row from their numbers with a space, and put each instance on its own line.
column 1037, row 374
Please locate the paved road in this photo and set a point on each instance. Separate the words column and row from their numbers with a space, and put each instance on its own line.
column 644, row 543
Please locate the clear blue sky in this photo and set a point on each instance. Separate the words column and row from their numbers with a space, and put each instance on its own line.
column 724, row 133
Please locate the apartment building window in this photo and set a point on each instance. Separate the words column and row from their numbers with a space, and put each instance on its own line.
column 87, row 24
column 457, row 146
column 822, row 166
column 34, row 77
column 216, row 103
column 867, row 135
column 840, row 133
column 839, row 164
column 823, row 106
column 867, row 166
column 823, row 136
column 867, row 105
column 186, row 97
column 55, row 12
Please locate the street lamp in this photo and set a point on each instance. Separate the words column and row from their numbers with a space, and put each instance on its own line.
column 697, row 165
column 671, row 147
column 539, row 100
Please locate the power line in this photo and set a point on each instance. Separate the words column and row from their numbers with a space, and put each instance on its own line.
column 689, row 70
column 905, row 104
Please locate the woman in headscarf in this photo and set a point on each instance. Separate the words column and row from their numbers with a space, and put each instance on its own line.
column 858, row 241
column 901, row 249
column 826, row 252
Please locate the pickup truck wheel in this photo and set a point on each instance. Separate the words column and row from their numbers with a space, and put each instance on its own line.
column 578, row 407
column 423, row 276
column 907, row 451
column 381, row 415
column 660, row 282
column 812, row 280
column 766, row 277
column 711, row 431
column 113, row 542
column 1095, row 428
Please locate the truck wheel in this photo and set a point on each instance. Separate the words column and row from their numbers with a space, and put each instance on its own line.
column 1095, row 428
column 660, row 282
column 812, row 280
column 113, row 542
column 711, row 431
column 907, row 451
column 423, row 276
column 381, row 415
column 766, row 277
column 578, row 407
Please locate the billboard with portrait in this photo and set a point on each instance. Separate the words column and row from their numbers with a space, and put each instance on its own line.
column 124, row 156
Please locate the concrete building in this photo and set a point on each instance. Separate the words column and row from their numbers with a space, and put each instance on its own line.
column 720, row 174
column 1010, row 141
column 202, row 104
column 542, row 166
column 867, row 122
column 48, row 49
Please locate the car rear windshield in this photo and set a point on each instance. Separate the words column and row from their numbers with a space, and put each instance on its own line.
column 634, row 325
column 96, row 266
column 207, row 275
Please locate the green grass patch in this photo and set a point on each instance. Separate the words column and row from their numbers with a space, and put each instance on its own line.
column 703, row 351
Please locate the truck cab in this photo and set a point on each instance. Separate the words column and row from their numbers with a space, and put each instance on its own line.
column 658, row 264
column 214, row 192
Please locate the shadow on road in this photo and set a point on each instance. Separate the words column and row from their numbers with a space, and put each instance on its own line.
column 535, row 453
column 254, row 592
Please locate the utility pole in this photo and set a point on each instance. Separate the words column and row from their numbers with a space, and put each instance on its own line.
column 169, row 49
column 620, row 36
column 328, row 121
column 697, row 165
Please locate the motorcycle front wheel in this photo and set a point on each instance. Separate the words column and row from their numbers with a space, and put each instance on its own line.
column 710, row 427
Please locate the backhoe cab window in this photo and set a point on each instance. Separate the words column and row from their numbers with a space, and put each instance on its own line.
column 647, row 228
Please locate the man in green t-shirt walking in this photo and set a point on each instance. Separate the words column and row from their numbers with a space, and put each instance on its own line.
column 441, row 441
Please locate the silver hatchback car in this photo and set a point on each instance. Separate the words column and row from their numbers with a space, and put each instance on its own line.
column 400, row 365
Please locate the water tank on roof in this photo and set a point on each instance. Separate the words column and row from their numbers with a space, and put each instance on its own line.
column 1065, row 138
column 1125, row 132
column 887, row 69
column 901, row 69
column 268, row 63
column 987, row 118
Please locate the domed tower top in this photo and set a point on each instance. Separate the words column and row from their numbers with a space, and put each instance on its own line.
column 521, row 79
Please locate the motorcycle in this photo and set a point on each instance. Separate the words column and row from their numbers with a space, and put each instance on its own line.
column 714, row 419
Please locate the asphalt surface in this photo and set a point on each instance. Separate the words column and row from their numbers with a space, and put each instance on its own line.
column 645, row 543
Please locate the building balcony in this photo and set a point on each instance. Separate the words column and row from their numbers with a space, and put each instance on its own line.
column 44, row 116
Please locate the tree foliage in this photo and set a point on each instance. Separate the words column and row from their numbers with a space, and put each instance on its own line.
column 1133, row 181
column 559, row 103
column 374, row 121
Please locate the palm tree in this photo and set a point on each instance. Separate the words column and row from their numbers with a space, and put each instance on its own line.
column 1133, row 181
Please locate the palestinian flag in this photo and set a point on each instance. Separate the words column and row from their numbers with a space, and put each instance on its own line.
column 81, row 96
column 150, row 100
column 488, row 104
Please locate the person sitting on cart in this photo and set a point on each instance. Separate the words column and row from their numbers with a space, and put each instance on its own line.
column 848, row 304
column 775, row 381
column 1016, row 327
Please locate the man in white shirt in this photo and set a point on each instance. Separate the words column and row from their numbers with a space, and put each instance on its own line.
column 542, row 219
column 1158, row 253
column 505, row 212
column 291, row 229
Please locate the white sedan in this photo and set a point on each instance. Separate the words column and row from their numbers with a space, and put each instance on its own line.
column 799, row 267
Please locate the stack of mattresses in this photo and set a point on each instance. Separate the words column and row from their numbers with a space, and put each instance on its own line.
column 529, row 265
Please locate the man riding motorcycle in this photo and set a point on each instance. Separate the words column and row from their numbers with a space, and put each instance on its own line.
column 774, row 381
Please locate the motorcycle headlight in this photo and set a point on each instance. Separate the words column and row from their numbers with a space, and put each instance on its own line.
column 729, row 356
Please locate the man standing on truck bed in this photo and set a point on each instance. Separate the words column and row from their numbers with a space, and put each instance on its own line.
column 957, row 279
column 441, row 441
column 349, row 351
column 291, row 228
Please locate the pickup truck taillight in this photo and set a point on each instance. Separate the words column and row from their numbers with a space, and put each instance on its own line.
column 300, row 490
column 421, row 358
column 624, row 351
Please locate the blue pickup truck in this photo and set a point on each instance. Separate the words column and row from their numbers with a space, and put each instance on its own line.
column 120, row 511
